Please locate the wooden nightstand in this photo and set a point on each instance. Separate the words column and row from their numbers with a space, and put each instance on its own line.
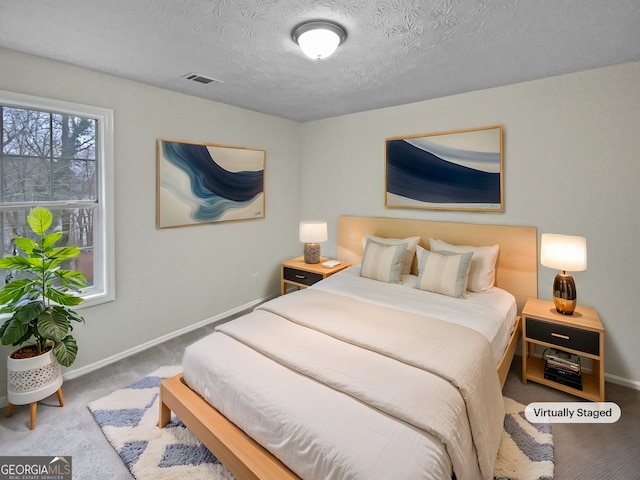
column 581, row 333
column 302, row 275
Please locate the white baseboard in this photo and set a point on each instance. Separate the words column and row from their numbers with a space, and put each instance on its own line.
column 625, row 382
column 78, row 372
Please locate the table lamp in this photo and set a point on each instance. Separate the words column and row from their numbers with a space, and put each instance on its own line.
column 312, row 233
column 564, row 252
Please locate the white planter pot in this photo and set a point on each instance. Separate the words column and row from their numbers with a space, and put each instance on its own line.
column 32, row 379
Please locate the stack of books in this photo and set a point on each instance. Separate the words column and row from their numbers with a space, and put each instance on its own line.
column 562, row 367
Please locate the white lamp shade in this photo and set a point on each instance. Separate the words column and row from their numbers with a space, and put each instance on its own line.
column 563, row 252
column 313, row 231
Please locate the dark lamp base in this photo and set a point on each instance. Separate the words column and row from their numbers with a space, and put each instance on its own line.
column 564, row 294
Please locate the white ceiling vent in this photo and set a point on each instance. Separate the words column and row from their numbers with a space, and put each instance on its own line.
column 196, row 77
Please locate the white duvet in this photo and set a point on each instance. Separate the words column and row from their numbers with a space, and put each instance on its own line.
column 492, row 314
column 340, row 388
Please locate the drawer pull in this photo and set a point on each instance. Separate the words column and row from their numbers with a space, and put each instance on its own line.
column 301, row 276
column 564, row 337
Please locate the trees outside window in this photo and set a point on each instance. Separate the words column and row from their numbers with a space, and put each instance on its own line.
column 57, row 158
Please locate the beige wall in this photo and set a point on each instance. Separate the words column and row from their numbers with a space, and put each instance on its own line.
column 571, row 164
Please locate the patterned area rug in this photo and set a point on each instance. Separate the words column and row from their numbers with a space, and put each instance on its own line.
column 526, row 449
column 129, row 417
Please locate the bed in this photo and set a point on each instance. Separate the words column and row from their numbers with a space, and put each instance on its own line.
column 359, row 410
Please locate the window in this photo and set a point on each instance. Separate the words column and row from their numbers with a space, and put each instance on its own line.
column 59, row 155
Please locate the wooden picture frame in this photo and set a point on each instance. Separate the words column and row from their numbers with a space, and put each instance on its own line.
column 206, row 183
column 456, row 170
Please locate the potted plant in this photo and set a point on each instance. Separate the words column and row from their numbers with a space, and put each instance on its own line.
column 41, row 319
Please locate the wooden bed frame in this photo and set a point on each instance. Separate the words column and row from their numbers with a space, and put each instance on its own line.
column 516, row 272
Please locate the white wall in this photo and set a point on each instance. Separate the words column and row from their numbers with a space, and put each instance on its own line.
column 171, row 279
column 572, row 166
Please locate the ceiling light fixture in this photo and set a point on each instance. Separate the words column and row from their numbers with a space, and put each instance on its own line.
column 318, row 39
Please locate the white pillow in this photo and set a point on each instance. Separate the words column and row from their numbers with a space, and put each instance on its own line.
column 483, row 264
column 382, row 261
column 444, row 272
column 412, row 243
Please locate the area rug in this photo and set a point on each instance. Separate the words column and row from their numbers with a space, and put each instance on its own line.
column 128, row 418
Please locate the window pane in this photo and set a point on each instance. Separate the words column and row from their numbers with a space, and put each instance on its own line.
column 73, row 137
column 33, row 170
column 26, row 179
column 73, row 179
column 26, row 132
column 76, row 224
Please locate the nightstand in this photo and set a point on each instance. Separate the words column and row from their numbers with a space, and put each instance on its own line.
column 302, row 275
column 581, row 333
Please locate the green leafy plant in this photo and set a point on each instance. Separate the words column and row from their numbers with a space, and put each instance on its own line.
column 39, row 303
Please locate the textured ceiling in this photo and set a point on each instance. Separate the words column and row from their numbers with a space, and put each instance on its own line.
column 396, row 52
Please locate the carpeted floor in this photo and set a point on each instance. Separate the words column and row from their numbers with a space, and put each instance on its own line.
column 582, row 451
column 128, row 419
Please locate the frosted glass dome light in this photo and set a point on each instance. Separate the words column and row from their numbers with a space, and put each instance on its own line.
column 318, row 39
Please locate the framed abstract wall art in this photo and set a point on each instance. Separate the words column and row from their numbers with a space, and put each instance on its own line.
column 205, row 183
column 458, row 170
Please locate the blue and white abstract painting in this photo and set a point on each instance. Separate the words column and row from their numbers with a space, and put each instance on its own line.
column 455, row 171
column 202, row 183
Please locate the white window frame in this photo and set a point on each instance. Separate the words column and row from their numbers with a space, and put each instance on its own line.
column 103, row 288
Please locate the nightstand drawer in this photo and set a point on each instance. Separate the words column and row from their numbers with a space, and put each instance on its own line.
column 563, row 336
column 300, row 276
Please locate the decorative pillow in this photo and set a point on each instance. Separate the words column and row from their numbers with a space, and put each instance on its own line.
column 382, row 261
column 444, row 272
column 412, row 243
column 483, row 264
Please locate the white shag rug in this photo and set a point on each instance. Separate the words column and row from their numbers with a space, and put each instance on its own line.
column 128, row 418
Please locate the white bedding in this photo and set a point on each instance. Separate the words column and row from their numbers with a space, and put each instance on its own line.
column 265, row 399
column 493, row 313
column 345, row 431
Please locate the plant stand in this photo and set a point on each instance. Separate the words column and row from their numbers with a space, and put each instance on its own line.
column 33, row 379
column 33, row 406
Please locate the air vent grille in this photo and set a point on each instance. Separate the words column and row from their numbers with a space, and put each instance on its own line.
column 196, row 77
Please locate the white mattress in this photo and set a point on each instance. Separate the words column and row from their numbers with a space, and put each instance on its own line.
column 492, row 314
column 319, row 432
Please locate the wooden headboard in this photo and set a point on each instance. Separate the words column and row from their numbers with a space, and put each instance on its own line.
column 517, row 266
